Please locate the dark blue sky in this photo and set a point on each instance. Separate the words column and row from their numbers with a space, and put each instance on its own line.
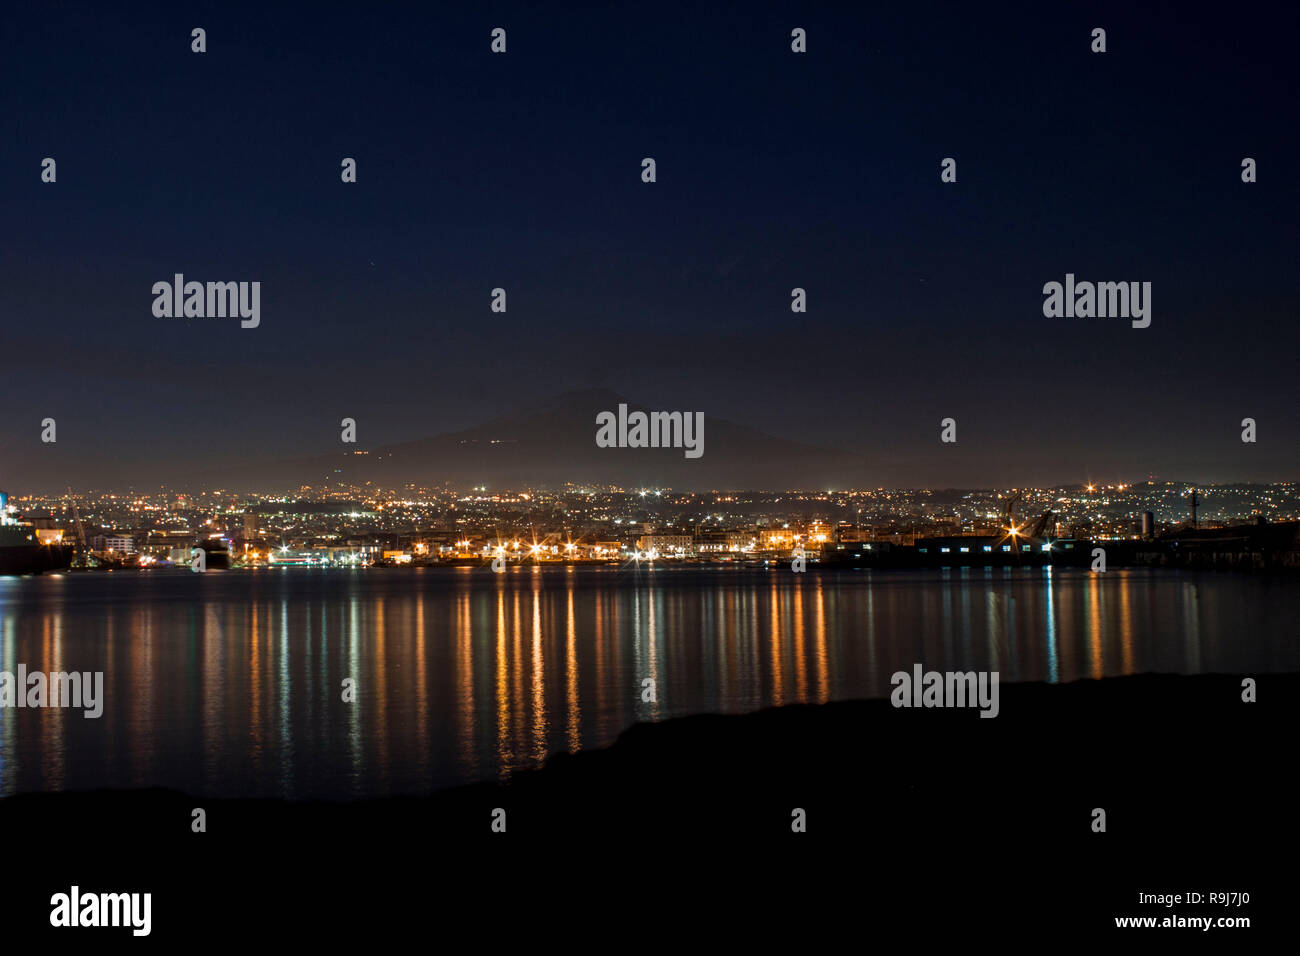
column 775, row 170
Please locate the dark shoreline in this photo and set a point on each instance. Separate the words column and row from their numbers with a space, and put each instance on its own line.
column 985, row 812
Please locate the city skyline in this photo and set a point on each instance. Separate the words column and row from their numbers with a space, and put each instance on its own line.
column 429, row 522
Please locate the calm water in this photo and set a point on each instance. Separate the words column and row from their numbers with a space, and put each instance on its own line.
column 229, row 683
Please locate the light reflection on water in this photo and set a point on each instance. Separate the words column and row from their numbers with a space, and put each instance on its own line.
column 231, row 683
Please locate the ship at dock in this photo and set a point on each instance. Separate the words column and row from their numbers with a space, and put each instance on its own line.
column 22, row 551
column 1017, row 544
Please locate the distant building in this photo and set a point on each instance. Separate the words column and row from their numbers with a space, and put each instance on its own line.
column 778, row 539
column 742, row 539
column 710, row 541
column 120, row 543
column 162, row 543
column 667, row 543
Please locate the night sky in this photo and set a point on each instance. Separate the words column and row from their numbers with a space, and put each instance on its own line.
column 775, row 170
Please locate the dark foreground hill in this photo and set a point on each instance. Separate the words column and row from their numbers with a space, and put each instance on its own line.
column 936, row 824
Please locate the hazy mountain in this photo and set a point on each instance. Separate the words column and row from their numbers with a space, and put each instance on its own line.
column 556, row 442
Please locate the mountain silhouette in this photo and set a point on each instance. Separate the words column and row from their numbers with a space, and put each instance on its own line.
column 554, row 442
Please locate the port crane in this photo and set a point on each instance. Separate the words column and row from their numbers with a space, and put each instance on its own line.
column 1031, row 531
column 1039, row 526
column 81, row 531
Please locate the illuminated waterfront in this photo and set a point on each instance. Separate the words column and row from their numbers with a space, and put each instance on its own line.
column 230, row 683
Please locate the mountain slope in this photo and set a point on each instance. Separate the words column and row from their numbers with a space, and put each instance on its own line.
column 555, row 442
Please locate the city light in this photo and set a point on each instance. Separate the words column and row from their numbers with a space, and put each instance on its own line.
column 439, row 526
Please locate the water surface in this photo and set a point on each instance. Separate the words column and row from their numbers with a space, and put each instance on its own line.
column 231, row 683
